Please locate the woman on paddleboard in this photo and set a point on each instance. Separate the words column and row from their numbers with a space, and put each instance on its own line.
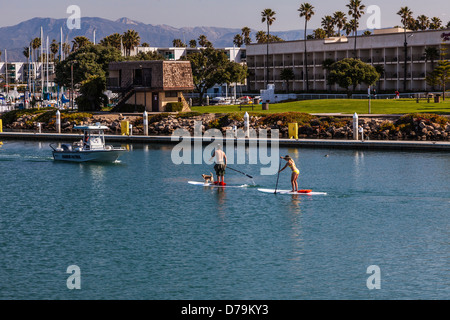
column 295, row 172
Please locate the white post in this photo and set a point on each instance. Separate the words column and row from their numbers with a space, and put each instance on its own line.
column 355, row 126
column 207, row 100
column 131, row 129
column 145, row 123
column 39, row 127
column 361, row 131
column 58, row 121
column 247, row 125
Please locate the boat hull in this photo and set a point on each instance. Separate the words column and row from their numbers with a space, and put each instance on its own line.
column 88, row 156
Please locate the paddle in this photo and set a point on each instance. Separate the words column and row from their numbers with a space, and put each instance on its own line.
column 279, row 167
column 240, row 172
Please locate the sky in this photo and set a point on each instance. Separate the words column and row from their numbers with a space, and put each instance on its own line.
column 213, row 13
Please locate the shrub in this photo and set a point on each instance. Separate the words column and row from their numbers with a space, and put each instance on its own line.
column 386, row 125
column 174, row 107
column 287, row 117
column 129, row 108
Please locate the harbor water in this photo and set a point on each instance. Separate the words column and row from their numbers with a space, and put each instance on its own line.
column 137, row 230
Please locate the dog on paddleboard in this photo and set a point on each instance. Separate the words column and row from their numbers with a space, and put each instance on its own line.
column 208, row 178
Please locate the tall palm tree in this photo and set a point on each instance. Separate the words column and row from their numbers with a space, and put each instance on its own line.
column 339, row 20
column 436, row 23
column 246, row 35
column 131, row 39
column 178, row 43
column 423, row 22
column 25, row 52
column 112, row 40
column 268, row 16
column 355, row 10
column 35, row 44
column 328, row 25
column 54, row 48
column 306, row 10
column 261, row 37
column 406, row 14
column 318, row 33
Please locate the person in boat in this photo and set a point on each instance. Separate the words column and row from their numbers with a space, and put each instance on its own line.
column 220, row 159
column 295, row 172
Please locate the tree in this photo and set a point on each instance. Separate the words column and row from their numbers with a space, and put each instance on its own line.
column 90, row 68
column 339, row 20
column 145, row 45
column 436, row 23
column 406, row 16
column 328, row 25
column 441, row 74
column 423, row 22
column 192, row 43
column 149, row 55
column 318, row 33
column 25, row 52
column 113, row 40
column 355, row 10
column 130, row 39
column 326, row 64
column 202, row 40
column 367, row 33
column 211, row 66
column 349, row 73
column 307, row 11
column 238, row 41
column 261, row 37
column 268, row 16
column 348, row 27
column 92, row 97
column 431, row 54
column 35, row 44
column 287, row 74
column 54, row 48
column 246, row 35
column 178, row 43
column 80, row 42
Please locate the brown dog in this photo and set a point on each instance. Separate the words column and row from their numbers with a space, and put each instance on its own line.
column 208, row 178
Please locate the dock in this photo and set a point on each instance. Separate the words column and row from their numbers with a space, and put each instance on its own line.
column 395, row 145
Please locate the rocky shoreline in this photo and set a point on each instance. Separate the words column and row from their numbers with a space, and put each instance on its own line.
column 420, row 127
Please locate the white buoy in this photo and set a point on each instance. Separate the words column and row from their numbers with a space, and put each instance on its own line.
column 58, row 121
column 355, row 126
column 145, row 123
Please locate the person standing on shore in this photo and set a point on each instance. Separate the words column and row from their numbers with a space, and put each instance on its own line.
column 295, row 172
column 221, row 164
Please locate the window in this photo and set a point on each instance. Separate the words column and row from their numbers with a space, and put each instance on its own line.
column 171, row 94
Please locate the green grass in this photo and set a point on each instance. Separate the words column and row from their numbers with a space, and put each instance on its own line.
column 344, row 106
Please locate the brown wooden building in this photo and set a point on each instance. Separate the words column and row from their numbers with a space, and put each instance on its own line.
column 152, row 84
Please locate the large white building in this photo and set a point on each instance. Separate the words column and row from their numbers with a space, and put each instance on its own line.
column 20, row 72
column 385, row 47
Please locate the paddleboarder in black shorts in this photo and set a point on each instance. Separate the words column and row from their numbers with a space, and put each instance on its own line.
column 221, row 164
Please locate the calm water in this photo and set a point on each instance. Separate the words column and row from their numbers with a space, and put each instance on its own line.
column 137, row 230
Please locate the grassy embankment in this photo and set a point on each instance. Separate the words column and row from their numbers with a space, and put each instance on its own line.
column 344, row 106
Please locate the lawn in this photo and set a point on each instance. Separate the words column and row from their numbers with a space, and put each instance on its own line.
column 344, row 106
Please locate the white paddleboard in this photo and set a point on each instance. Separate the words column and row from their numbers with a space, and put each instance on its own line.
column 207, row 184
column 312, row 193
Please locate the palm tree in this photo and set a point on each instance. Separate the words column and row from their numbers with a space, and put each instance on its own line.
column 306, row 10
column 268, row 16
column 423, row 22
column 66, row 48
column 192, row 43
column 80, row 42
column 112, row 40
column 238, row 40
column 35, row 44
column 287, row 75
column 328, row 25
column 130, row 39
column 261, row 37
column 177, row 43
column 406, row 14
column 54, row 48
column 436, row 23
column 25, row 52
column 202, row 40
column 348, row 27
column 339, row 20
column 246, row 35
column 319, row 33
column 355, row 10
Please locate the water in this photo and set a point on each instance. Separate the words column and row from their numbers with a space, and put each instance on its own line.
column 137, row 230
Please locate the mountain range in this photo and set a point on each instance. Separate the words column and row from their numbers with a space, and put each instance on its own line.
column 15, row 38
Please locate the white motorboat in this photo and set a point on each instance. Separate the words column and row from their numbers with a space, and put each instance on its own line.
column 91, row 148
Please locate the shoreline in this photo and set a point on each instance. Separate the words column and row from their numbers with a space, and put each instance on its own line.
column 394, row 145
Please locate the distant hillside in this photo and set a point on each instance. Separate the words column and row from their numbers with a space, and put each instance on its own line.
column 14, row 38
